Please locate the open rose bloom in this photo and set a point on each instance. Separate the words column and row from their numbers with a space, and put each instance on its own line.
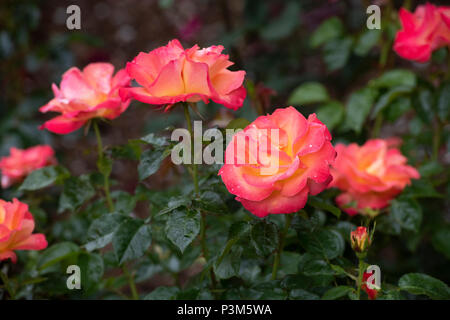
column 172, row 74
column 16, row 228
column 370, row 175
column 20, row 163
column 87, row 94
column 423, row 31
column 276, row 161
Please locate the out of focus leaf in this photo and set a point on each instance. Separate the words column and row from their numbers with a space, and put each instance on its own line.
column 309, row 92
column 358, row 108
column 336, row 53
column 331, row 114
column 366, row 41
column 394, row 78
column 329, row 29
column 283, row 25
column 441, row 240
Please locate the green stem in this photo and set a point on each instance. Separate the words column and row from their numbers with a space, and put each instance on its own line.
column 377, row 125
column 7, row 285
column 131, row 283
column 436, row 139
column 194, row 166
column 100, row 159
column 360, row 276
column 282, row 237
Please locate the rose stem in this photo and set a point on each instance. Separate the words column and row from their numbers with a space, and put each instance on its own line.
column 100, row 159
column 282, row 236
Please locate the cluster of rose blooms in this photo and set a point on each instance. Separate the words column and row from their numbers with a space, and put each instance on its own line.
column 369, row 176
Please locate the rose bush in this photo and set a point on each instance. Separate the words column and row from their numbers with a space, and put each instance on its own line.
column 265, row 221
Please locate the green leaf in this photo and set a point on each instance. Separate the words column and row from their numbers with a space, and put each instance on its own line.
column 236, row 232
column 366, row 41
column 182, row 227
column 123, row 201
column 102, row 229
column 309, row 92
column 239, row 123
column 44, row 177
column 319, row 203
column 131, row 240
column 230, row 264
column 283, row 25
column 301, row 294
column 330, row 29
column 92, row 268
column 407, row 213
column 326, row 243
column 395, row 78
column 336, row 53
column 331, row 114
column 151, row 161
column 419, row 283
column 337, row 292
column 358, row 108
column 264, row 237
column 388, row 98
column 311, row 266
column 56, row 253
column 424, row 103
column 441, row 240
column 163, row 293
column 212, row 202
column 175, row 203
column 77, row 190
column 155, row 140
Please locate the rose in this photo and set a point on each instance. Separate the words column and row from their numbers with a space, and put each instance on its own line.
column 171, row 74
column 360, row 239
column 424, row 31
column 87, row 94
column 370, row 175
column 300, row 151
column 20, row 163
column 16, row 227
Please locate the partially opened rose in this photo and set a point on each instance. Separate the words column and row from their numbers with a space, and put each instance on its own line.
column 286, row 158
column 16, row 230
column 423, row 31
column 87, row 94
column 371, row 175
column 172, row 74
column 20, row 163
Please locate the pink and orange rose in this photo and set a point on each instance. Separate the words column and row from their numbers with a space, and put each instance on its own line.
column 300, row 151
column 16, row 230
column 87, row 94
column 20, row 163
column 371, row 175
column 172, row 74
column 423, row 31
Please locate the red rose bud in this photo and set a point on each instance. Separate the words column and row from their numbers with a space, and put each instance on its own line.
column 360, row 239
column 372, row 293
